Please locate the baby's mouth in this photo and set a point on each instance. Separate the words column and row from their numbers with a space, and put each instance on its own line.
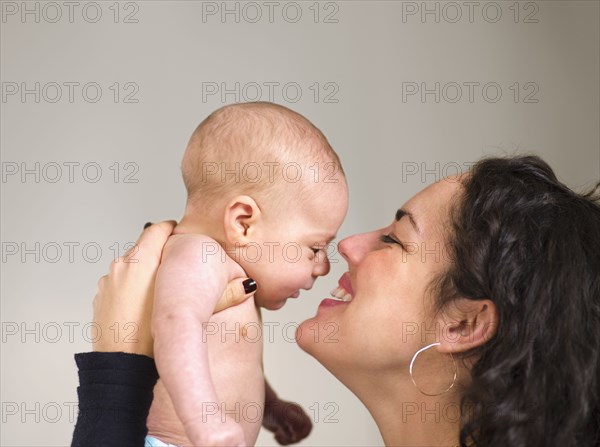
column 341, row 294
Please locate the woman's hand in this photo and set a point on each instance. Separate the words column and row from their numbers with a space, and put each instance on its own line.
column 123, row 303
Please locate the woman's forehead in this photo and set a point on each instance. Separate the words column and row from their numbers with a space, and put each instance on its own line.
column 430, row 207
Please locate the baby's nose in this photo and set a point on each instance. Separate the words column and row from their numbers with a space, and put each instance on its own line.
column 322, row 267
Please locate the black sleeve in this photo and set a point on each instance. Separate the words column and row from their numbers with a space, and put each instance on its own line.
column 115, row 393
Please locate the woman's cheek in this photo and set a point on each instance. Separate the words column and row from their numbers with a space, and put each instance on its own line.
column 375, row 269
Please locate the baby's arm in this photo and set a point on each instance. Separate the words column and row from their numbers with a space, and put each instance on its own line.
column 189, row 282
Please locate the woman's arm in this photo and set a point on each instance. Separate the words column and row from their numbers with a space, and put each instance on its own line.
column 115, row 394
column 116, row 382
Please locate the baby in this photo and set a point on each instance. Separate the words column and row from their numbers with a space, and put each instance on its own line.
column 266, row 194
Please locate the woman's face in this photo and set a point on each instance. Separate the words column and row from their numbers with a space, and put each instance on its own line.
column 391, row 314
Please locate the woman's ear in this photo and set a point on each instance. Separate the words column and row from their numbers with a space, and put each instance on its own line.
column 467, row 324
column 241, row 217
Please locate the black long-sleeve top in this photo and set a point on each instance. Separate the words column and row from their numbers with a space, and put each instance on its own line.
column 115, row 394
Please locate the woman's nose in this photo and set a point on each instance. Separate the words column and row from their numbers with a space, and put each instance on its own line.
column 354, row 248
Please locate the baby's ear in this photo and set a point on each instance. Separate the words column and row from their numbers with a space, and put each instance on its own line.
column 241, row 216
column 467, row 324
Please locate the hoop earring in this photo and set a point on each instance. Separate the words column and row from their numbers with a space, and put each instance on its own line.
column 410, row 370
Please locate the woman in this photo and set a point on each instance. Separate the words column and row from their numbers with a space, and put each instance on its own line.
column 480, row 303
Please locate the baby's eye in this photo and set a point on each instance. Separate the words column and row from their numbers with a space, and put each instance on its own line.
column 319, row 248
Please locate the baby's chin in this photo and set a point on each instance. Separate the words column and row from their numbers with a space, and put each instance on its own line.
column 271, row 304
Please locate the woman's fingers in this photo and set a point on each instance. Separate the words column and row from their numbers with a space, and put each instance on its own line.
column 152, row 240
column 125, row 296
column 237, row 291
column 158, row 230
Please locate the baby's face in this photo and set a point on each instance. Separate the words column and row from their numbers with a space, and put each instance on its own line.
column 291, row 250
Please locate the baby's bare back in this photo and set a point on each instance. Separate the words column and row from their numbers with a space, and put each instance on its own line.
column 235, row 357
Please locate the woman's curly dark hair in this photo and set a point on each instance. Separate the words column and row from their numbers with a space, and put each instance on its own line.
column 532, row 246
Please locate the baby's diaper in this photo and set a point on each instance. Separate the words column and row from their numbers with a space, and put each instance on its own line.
column 153, row 442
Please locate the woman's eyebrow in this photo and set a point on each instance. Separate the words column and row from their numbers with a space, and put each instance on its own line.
column 401, row 213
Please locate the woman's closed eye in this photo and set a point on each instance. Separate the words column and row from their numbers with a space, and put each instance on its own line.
column 388, row 239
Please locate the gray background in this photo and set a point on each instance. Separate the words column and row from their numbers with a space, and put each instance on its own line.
column 365, row 56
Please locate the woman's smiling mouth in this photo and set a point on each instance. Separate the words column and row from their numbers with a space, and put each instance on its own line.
column 341, row 294
column 343, row 291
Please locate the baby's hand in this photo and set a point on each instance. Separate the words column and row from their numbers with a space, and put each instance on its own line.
column 287, row 420
column 215, row 430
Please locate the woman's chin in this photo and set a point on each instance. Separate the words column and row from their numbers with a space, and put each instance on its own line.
column 322, row 329
column 320, row 338
column 303, row 334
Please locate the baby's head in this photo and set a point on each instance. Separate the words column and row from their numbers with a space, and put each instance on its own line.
column 272, row 191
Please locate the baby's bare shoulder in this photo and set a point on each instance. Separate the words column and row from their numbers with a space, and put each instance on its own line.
column 192, row 241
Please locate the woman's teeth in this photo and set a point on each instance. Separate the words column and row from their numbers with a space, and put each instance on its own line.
column 340, row 293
